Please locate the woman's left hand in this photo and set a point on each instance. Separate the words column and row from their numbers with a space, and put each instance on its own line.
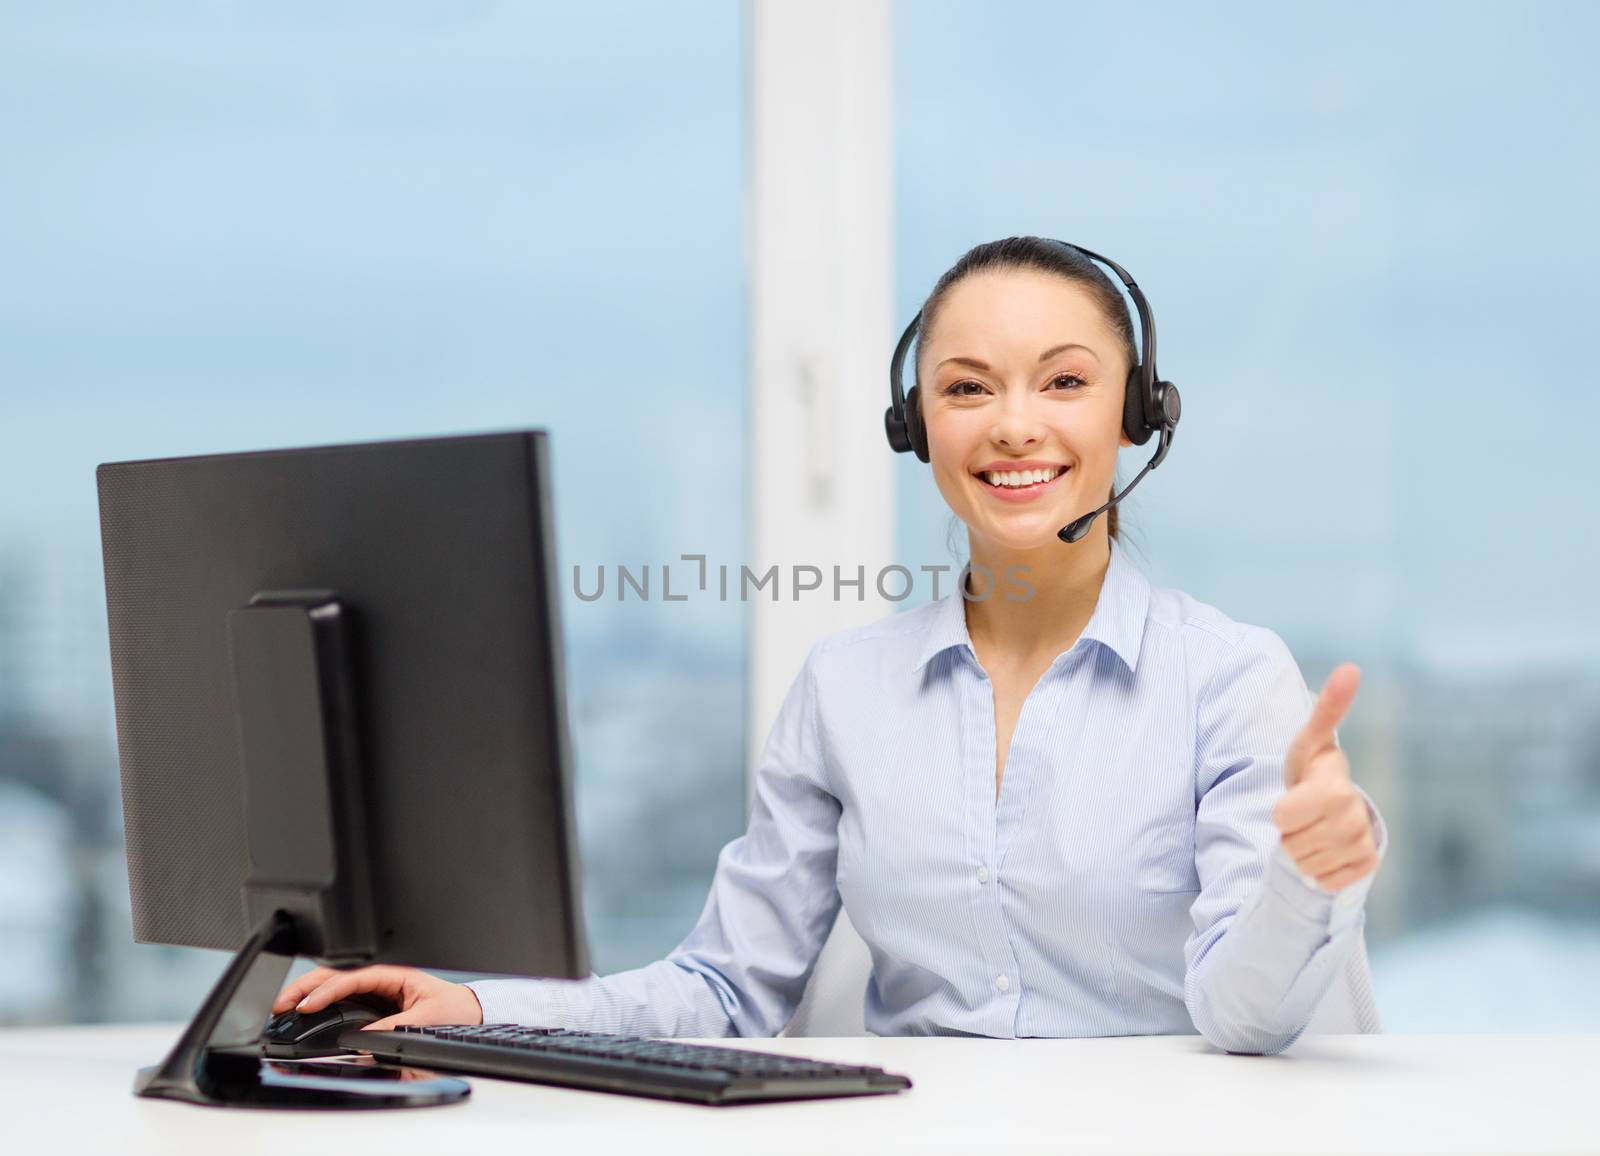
column 1324, row 821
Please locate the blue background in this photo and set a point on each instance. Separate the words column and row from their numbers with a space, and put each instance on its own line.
column 1366, row 231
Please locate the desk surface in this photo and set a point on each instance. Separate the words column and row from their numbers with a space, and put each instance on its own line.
column 69, row 1089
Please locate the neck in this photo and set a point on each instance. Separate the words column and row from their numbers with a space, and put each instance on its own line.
column 1066, row 581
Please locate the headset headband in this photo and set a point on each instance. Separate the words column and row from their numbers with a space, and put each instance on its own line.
column 1147, row 335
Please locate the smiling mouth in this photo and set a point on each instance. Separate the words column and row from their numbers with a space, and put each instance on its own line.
column 1021, row 481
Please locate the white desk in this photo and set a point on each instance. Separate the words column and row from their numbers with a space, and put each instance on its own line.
column 69, row 1090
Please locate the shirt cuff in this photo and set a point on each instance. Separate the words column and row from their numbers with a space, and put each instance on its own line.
column 1337, row 910
column 515, row 1001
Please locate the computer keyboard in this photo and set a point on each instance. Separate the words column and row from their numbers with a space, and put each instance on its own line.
column 635, row 1065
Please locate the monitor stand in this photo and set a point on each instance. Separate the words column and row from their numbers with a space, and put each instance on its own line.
column 308, row 891
column 218, row 1060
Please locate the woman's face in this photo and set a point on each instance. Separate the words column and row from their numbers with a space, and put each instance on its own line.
column 1021, row 372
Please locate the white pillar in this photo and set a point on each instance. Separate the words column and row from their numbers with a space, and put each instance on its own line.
column 821, row 269
column 820, row 482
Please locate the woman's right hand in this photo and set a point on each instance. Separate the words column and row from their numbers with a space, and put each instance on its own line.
column 421, row 998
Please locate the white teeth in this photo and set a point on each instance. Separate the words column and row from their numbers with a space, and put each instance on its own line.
column 1019, row 477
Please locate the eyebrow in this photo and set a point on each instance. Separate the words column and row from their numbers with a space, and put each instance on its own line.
column 1043, row 357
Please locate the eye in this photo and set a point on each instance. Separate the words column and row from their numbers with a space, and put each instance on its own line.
column 955, row 389
column 1075, row 381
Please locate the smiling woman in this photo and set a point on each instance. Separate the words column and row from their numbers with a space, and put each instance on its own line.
column 1105, row 808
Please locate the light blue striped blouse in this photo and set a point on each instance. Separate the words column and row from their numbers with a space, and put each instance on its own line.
column 1129, row 879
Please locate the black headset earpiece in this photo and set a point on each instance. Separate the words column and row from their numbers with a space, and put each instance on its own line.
column 1134, row 421
column 916, row 428
column 902, row 421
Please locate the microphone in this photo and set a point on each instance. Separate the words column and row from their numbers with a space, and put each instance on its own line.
column 1074, row 530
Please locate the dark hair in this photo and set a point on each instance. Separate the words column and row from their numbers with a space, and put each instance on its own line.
column 1051, row 257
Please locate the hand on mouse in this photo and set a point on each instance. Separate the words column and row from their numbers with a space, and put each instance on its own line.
column 422, row 998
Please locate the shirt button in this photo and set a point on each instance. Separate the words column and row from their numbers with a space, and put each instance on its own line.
column 1002, row 983
column 983, row 874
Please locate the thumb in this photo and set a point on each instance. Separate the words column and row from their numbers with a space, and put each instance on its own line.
column 411, row 1015
column 1317, row 733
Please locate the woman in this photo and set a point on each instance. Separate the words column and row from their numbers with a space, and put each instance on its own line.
column 1099, row 808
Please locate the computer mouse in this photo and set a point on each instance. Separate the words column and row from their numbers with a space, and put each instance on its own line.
column 298, row 1035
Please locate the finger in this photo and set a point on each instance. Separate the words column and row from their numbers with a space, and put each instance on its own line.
column 381, row 980
column 294, row 992
column 1309, row 840
column 415, row 1014
column 1331, row 707
column 1343, row 824
column 1330, row 859
column 1348, row 875
column 1301, row 806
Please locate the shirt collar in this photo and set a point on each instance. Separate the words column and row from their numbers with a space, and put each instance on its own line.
column 1117, row 623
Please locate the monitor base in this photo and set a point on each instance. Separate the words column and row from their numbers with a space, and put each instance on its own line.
column 217, row 1061
column 259, row 1083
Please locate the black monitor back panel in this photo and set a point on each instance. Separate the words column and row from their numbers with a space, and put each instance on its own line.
column 442, row 551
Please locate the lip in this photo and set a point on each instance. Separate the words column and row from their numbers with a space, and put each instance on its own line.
column 1029, row 493
column 1017, row 464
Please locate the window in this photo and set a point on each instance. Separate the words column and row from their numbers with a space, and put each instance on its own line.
column 1356, row 227
column 247, row 227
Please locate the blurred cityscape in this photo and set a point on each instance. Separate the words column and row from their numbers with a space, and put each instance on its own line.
column 650, row 825
column 260, row 225
column 1485, row 914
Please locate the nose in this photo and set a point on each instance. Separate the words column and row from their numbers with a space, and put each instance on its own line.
column 1016, row 424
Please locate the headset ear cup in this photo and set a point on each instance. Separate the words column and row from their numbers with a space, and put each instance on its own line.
column 1171, row 406
column 1133, row 420
column 895, row 430
column 915, row 430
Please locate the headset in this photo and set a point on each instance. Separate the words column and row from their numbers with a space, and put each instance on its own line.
column 1149, row 406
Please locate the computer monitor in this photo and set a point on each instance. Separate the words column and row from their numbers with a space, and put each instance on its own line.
column 342, row 728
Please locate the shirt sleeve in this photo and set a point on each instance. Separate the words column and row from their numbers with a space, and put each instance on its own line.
column 743, row 968
column 1267, row 940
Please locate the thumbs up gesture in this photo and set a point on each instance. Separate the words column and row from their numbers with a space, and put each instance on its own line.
column 1322, row 816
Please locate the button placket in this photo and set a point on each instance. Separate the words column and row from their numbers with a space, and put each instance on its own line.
column 994, row 943
column 1034, row 748
column 978, row 703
